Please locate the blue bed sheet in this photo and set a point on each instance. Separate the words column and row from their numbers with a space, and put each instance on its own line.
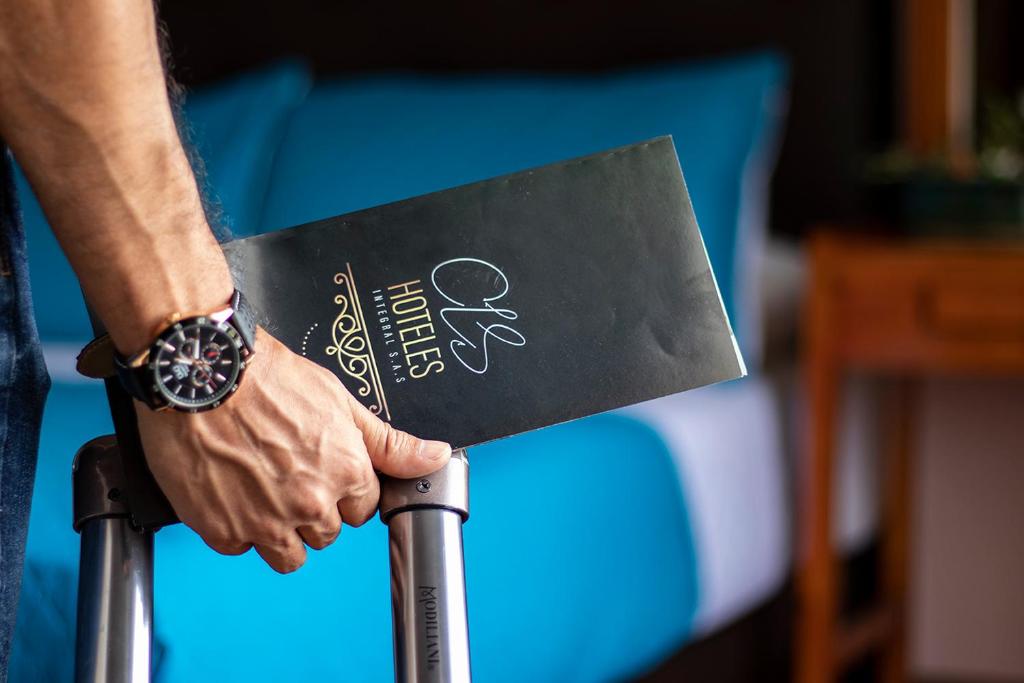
column 584, row 573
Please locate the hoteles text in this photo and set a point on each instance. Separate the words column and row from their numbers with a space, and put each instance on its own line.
column 415, row 329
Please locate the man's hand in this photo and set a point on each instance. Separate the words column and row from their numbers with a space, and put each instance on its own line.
column 287, row 459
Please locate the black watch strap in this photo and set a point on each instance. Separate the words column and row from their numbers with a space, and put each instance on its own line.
column 134, row 379
column 244, row 320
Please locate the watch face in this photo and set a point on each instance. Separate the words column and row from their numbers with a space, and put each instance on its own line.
column 196, row 363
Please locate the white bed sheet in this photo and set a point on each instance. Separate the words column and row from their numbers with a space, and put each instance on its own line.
column 727, row 444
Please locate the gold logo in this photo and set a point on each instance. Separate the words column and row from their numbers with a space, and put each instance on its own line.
column 352, row 346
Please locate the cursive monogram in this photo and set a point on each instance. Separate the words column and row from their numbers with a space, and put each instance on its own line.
column 472, row 287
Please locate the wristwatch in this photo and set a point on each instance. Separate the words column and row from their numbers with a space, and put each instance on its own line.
column 194, row 364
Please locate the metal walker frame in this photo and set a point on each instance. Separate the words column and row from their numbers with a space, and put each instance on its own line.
column 114, row 640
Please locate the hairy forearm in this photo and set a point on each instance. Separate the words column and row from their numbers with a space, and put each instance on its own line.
column 84, row 107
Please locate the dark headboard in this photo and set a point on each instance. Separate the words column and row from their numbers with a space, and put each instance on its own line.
column 839, row 50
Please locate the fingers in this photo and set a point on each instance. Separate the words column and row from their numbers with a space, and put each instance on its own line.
column 286, row 555
column 227, row 547
column 320, row 534
column 356, row 509
column 395, row 452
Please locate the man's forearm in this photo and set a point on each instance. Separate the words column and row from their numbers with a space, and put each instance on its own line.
column 83, row 104
column 84, row 107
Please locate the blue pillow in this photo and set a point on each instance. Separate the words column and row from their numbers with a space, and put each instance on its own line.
column 235, row 128
column 368, row 141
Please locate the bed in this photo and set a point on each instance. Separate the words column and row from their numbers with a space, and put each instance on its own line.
column 595, row 549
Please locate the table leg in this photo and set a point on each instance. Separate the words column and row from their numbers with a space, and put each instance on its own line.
column 817, row 574
column 896, row 527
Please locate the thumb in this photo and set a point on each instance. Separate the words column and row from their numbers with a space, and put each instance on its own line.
column 395, row 452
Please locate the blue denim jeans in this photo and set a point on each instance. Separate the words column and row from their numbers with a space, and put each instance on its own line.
column 23, row 387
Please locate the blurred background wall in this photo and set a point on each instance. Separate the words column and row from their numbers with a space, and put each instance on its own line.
column 967, row 601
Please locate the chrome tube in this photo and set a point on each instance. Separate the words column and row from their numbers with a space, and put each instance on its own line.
column 428, row 581
column 114, row 641
column 115, row 603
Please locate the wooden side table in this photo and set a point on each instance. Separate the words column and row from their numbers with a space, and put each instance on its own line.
column 904, row 309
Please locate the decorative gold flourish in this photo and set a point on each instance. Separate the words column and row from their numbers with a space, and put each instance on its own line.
column 352, row 345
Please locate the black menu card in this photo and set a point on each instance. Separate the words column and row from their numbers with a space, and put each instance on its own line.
column 505, row 305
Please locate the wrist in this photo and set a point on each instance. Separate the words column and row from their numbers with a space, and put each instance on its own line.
column 136, row 326
column 163, row 298
column 160, row 262
column 142, row 247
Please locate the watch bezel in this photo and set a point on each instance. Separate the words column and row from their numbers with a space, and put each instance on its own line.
column 162, row 399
